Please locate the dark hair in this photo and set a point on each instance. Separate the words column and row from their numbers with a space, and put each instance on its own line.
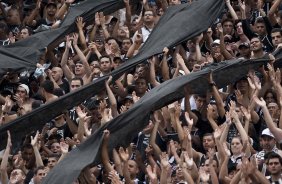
column 78, row 78
column 48, row 86
column 38, row 168
column 150, row 9
column 272, row 92
column 58, row 92
column 127, row 39
column 272, row 155
column 259, row 20
column 227, row 20
column 27, row 146
column 105, row 56
column 111, row 38
column 30, row 31
column 275, row 30
column 53, row 155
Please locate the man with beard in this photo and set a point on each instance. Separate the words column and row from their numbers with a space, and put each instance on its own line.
column 268, row 144
column 256, row 48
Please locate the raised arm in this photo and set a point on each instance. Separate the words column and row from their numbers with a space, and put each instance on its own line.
column 80, row 25
column 112, row 97
column 164, row 65
column 64, row 8
column 34, row 143
column 231, row 10
column 4, row 162
column 81, row 56
column 104, row 152
column 67, row 72
column 277, row 132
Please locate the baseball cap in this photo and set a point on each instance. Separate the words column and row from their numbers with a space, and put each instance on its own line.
column 51, row 4
column 25, row 87
column 244, row 44
column 267, row 132
column 215, row 42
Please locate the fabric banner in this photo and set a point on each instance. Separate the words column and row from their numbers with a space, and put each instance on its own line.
column 24, row 54
column 158, row 39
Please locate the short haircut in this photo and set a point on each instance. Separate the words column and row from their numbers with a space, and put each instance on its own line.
column 272, row 155
column 38, row 168
column 259, row 20
column 150, row 9
column 56, row 156
column 48, row 86
column 30, row 31
column 111, row 38
column 276, row 30
column 127, row 39
column 78, row 78
column 227, row 20
column 105, row 56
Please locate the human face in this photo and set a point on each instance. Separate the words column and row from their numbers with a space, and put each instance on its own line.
column 79, row 69
column 24, row 33
column 55, row 148
column 105, row 65
column 200, row 102
column 269, row 98
column 125, row 45
column 245, row 51
column 116, row 63
column 242, row 86
column 41, row 173
column 140, row 87
column 52, row 161
column 208, row 142
column 236, row 146
column 17, row 177
column 256, row 44
column 179, row 173
column 207, row 168
column 75, row 84
column 132, row 168
column 274, row 166
column 51, row 10
column 57, row 74
column 276, row 38
column 227, row 27
column 27, row 154
column 260, row 29
column 273, row 108
column 239, row 28
column 21, row 92
column 148, row 16
column 267, row 143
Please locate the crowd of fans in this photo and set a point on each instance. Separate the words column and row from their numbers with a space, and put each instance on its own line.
column 228, row 135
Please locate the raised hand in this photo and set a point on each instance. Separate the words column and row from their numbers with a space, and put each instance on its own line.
column 164, row 160
column 64, row 147
column 124, row 155
column 79, row 23
column 34, row 141
column 259, row 102
column 75, row 39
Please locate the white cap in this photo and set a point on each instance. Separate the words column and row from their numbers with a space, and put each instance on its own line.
column 216, row 42
column 267, row 132
column 25, row 87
